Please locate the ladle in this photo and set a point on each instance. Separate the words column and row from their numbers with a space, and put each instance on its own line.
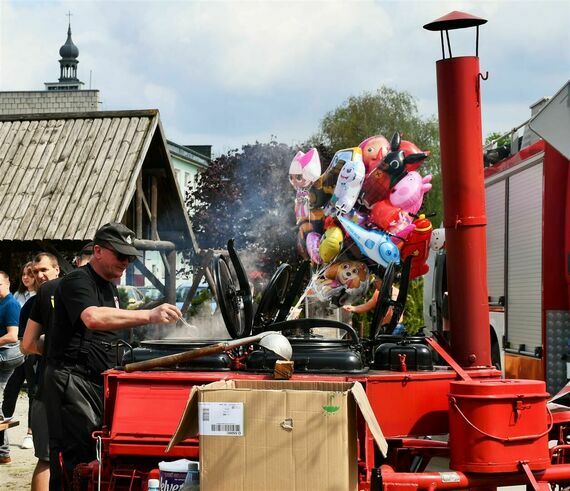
column 271, row 340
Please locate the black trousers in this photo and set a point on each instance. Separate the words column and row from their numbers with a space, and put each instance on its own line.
column 74, row 406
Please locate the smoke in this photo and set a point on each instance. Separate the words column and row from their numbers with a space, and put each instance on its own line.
column 205, row 324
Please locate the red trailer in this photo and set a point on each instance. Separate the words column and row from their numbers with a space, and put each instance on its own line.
column 498, row 429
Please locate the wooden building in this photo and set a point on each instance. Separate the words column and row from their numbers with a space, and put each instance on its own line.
column 62, row 176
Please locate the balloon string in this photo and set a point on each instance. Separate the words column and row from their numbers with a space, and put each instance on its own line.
column 295, row 311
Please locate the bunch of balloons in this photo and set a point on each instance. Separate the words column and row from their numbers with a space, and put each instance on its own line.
column 362, row 211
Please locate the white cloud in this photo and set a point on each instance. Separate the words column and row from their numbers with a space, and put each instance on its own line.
column 237, row 71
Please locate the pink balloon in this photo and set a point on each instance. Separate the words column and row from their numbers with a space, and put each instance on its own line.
column 313, row 242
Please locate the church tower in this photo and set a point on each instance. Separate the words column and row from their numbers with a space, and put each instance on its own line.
column 68, row 66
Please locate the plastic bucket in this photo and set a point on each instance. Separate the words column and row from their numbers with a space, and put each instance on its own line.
column 173, row 474
column 496, row 424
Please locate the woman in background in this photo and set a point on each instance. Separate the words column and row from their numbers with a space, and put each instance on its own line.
column 26, row 371
column 28, row 287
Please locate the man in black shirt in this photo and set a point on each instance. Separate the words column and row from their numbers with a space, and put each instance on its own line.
column 80, row 346
column 46, row 270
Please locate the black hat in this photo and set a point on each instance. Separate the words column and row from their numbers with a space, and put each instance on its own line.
column 87, row 249
column 119, row 237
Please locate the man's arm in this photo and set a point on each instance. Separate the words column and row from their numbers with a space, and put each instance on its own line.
column 33, row 340
column 111, row 319
column 10, row 337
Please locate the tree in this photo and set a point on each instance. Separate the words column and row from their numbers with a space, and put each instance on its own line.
column 245, row 195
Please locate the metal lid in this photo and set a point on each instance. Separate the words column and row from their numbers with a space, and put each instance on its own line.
column 498, row 388
column 455, row 20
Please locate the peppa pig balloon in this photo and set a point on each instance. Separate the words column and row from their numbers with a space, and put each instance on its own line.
column 304, row 170
column 374, row 149
column 347, row 186
column 408, row 193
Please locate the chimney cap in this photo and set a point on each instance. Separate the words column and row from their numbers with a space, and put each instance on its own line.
column 455, row 20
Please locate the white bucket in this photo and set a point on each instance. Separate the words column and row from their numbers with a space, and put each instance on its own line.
column 173, row 474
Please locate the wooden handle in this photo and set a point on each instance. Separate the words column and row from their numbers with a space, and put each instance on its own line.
column 173, row 360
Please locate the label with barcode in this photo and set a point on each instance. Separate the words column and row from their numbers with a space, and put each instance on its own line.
column 220, row 418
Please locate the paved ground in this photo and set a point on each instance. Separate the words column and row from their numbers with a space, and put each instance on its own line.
column 17, row 475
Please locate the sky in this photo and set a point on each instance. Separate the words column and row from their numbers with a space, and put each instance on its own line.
column 229, row 73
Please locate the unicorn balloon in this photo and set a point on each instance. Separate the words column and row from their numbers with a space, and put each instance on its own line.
column 348, row 185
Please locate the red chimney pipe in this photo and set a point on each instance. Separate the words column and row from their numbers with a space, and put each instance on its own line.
column 459, row 107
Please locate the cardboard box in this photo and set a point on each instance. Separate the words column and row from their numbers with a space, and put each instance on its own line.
column 277, row 435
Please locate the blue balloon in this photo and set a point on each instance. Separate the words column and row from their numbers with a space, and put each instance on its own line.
column 374, row 244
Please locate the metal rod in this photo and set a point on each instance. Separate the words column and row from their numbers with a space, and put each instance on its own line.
column 139, row 207
column 448, row 44
column 442, row 45
column 154, row 245
column 392, row 480
column 477, row 41
column 154, row 209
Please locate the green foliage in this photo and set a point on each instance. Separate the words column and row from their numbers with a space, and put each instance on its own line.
column 414, row 316
column 498, row 138
column 123, row 297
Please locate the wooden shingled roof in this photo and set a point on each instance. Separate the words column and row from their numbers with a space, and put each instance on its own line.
column 62, row 176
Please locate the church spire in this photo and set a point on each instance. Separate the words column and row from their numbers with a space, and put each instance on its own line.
column 69, row 53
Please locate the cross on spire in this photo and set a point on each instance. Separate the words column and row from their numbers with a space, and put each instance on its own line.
column 68, row 15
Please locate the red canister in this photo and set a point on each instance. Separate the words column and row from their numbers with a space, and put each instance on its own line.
column 496, row 424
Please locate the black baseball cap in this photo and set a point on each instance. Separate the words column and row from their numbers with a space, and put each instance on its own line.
column 119, row 237
column 86, row 250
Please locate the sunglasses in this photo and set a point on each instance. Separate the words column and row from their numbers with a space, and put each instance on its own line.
column 121, row 257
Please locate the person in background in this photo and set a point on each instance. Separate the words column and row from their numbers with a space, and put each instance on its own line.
column 46, row 271
column 28, row 286
column 84, row 255
column 26, row 371
column 370, row 304
column 80, row 346
column 10, row 355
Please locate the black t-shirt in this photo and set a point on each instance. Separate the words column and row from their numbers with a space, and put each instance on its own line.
column 42, row 312
column 43, row 307
column 71, row 343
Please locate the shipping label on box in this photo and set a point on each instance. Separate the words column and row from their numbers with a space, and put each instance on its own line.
column 220, row 418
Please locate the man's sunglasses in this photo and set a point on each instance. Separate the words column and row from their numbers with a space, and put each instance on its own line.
column 121, row 257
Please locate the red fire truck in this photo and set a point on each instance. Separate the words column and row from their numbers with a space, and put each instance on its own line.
column 527, row 188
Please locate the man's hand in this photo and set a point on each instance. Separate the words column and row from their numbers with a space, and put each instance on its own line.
column 165, row 314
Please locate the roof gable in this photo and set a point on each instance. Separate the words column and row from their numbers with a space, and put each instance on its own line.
column 64, row 175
